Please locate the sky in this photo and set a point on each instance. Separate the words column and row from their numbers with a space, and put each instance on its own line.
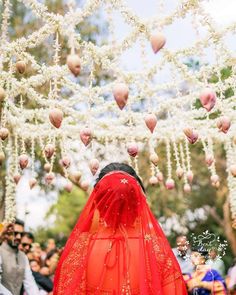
column 223, row 12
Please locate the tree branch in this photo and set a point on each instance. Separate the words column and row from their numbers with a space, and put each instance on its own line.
column 214, row 215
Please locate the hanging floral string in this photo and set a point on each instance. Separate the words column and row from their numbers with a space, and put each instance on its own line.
column 10, row 202
column 130, row 108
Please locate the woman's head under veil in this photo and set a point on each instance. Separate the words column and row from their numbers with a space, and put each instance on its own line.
column 113, row 167
column 118, row 193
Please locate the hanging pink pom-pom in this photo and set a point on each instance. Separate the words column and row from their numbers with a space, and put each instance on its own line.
column 217, row 184
column 209, row 159
column 49, row 177
column 160, row 176
column 17, row 178
column 132, row 149
column 84, row 185
column 32, row 182
column 232, row 170
column 154, row 159
column 86, row 136
column 179, row 172
column 190, row 176
column 20, row 66
column 77, row 175
column 214, row 178
column 56, row 117
column 187, row 188
column 49, row 150
column 158, row 41
column 153, row 180
column 208, row 99
column 2, row 157
column 74, row 64
column 170, row 184
column 94, row 166
column 47, row 167
column 65, row 162
column 151, row 122
column 2, row 94
column 23, row 161
column 191, row 134
column 215, row 181
column 224, row 124
column 68, row 187
column 4, row 133
column 121, row 94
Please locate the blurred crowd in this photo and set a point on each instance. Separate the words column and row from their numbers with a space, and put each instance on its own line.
column 203, row 270
column 26, row 268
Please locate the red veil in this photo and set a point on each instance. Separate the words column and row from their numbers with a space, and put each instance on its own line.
column 117, row 247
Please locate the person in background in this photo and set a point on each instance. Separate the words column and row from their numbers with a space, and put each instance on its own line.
column 51, row 245
column 204, row 280
column 215, row 262
column 26, row 242
column 43, row 282
column 37, row 253
column 3, row 290
column 52, row 261
column 183, row 253
column 25, row 246
column 14, row 264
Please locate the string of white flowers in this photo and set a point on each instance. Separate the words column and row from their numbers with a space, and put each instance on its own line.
column 16, row 152
column 188, row 155
column 42, row 146
column 32, row 156
column 183, row 162
column 53, row 158
column 5, row 22
column 211, row 150
column 176, row 154
column 23, row 150
column 56, row 60
column 10, row 202
column 169, row 163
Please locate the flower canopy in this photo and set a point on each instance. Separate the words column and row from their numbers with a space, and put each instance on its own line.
column 165, row 98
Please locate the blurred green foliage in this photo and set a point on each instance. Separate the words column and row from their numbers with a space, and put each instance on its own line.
column 63, row 215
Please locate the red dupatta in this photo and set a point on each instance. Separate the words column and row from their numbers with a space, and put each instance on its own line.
column 117, row 247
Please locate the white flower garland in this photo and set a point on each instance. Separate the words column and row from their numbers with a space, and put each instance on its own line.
column 97, row 108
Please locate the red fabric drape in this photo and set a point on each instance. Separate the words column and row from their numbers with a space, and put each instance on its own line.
column 117, row 247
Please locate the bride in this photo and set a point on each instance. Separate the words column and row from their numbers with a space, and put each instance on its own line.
column 117, row 247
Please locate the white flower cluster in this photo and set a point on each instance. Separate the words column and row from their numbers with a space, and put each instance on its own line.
column 174, row 101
